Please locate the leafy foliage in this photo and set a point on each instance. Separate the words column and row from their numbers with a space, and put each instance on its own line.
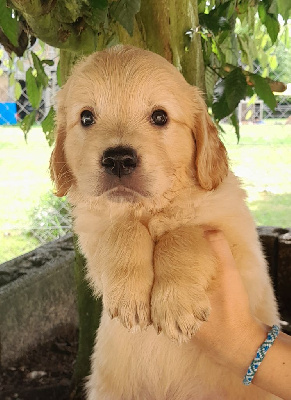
column 269, row 19
column 234, row 34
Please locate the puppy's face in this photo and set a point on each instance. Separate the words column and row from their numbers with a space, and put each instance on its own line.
column 130, row 127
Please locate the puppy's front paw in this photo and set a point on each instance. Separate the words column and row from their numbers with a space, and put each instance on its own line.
column 178, row 312
column 132, row 308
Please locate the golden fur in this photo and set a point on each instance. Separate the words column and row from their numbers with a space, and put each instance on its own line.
column 142, row 233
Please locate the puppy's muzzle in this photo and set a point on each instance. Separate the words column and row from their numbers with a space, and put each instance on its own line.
column 119, row 160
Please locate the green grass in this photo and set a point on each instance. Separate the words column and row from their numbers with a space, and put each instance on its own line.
column 23, row 178
column 262, row 159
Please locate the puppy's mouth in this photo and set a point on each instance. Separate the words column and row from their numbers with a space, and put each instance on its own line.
column 121, row 194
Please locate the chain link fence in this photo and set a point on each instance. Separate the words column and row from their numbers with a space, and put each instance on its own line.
column 31, row 214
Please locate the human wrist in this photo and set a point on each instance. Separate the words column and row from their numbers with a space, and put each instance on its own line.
column 260, row 354
column 242, row 350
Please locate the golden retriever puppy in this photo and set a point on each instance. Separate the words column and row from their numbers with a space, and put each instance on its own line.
column 143, row 167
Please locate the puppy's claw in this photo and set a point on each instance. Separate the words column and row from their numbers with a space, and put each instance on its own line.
column 131, row 313
column 112, row 313
column 179, row 320
column 203, row 315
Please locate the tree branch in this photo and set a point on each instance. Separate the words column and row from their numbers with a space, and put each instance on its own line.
column 58, row 29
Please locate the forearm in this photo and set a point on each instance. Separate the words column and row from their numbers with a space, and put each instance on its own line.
column 274, row 373
column 277, row 366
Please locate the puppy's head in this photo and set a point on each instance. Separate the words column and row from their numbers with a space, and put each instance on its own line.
column 129, row 127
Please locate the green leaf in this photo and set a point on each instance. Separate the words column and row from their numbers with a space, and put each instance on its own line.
column 219, row 105
column 20, row 65
column 34, row 92
column 201, row 6
column 236, row 86
column 262, row 12
column 48, row 62
column 242, row 7
column 218, row 19
column 48, row 126
column 98, row 17
column 250, row 91
column 27, row 123
column 124, row 11
column 9, row 25
column 17, row 90
column 223, row 36
column 59, row 78
column 273, row 7
column 235, row 123
column 270, row 21
column 245, row 49
column 213, row 23
column 284, row 9
column 100, row 4
column 228, row 93
column 42, row 77
column 113, row 40
column 273, row 62
column 11, row 79
column 273, row 27
column 264, row 91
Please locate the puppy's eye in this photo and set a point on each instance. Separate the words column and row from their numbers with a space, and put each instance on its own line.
column 87, row 118
column 159, row 117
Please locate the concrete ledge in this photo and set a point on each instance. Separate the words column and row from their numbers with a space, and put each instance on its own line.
column 37, row 297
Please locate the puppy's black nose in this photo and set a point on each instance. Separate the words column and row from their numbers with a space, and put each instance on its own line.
column 119, row 160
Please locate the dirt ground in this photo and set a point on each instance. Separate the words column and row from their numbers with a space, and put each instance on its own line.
column 44, row 373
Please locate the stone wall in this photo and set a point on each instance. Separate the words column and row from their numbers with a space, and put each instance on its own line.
column 37, row 297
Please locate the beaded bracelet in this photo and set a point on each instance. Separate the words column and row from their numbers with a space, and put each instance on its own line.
column 262, row 350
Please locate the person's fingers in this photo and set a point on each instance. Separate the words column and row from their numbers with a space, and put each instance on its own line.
column 220, row 246
column 228, row 279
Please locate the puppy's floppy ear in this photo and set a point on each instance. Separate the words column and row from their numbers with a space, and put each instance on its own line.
column 61, row 174
column 211, row 162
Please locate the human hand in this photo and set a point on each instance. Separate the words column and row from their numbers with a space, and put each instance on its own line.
column 230, row 326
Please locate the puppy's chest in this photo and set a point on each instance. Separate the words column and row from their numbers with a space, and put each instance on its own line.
column 169, row 220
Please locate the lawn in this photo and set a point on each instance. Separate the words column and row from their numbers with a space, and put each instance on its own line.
column 262, row 159
column 23, row 178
